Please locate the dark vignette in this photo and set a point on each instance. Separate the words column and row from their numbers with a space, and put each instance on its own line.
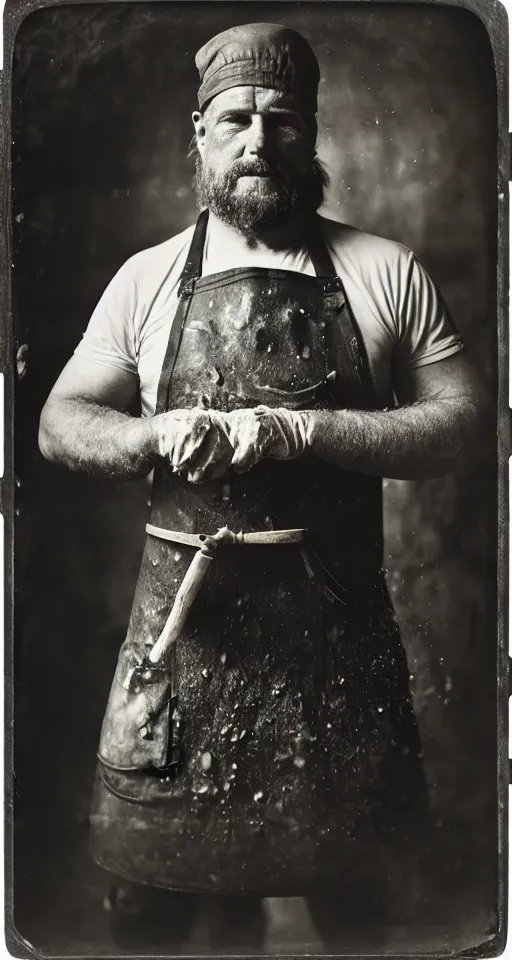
column 494, row 18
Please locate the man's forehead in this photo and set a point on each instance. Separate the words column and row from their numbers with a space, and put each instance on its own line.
column 253, row 100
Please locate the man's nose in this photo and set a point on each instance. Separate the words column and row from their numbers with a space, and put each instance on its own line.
column 256, row 140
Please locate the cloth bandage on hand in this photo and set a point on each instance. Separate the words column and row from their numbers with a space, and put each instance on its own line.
column 202, row 445
column 194, row 442
column 180, row 434
column 292, row 425
column 261, row 432
column 214, row 456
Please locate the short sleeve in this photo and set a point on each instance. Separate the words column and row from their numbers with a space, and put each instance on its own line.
column 109, row 337
column 426, row 331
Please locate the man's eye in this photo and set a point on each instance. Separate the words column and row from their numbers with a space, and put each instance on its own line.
column 236, row 119
column 288, row 125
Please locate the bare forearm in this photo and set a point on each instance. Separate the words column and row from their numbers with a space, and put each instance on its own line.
column 96, row 439
column 425, row 439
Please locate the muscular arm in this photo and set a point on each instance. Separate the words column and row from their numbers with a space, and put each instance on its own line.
column 84, row 424
column 439, row 426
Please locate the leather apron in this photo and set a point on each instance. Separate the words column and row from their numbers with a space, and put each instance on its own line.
column 279, row 747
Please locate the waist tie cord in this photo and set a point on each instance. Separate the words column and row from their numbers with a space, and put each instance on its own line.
column 206, row 551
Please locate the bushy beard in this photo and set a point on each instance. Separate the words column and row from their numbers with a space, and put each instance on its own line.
column 264, row 205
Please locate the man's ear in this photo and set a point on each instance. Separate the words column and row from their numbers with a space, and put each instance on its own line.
column 199, row 128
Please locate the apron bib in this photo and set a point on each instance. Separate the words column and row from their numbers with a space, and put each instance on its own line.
column 278, row 744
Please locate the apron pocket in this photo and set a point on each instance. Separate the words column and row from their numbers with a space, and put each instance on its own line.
column 135, row 731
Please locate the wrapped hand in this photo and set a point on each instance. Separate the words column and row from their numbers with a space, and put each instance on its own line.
column 260, row 432
column 195, row 443
column 180, row 433
column 215, row 453
column 203, row 444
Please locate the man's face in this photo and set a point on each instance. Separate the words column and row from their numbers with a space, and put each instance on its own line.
column 256, row 159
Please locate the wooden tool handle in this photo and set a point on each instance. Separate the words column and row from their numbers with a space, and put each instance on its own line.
column 184, row 599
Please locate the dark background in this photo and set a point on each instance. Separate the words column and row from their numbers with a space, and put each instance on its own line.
column 102, row 96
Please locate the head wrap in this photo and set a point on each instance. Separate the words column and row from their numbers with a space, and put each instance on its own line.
column 260, row 55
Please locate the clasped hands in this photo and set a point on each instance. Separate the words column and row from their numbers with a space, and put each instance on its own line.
column 202, row 445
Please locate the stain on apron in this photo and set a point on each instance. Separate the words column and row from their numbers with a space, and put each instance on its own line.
column 281, row 746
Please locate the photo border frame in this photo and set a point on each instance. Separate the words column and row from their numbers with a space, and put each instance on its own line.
column 494, row 17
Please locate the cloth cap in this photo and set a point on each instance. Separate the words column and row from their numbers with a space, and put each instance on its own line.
column 259, row 55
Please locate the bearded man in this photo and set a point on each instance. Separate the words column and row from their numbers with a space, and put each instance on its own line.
column 259, row 739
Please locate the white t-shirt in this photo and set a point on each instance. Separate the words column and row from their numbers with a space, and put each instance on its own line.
column 401, row 315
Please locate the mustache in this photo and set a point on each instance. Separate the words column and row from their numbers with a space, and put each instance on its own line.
column 251, row 168
column 256, row 168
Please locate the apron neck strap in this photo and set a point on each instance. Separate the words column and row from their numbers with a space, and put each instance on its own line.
column 318, row 253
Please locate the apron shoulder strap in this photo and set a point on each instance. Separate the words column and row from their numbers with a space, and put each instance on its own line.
column 319, row 254
column 348, row 328
column 192, row 269
column 190, row 273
